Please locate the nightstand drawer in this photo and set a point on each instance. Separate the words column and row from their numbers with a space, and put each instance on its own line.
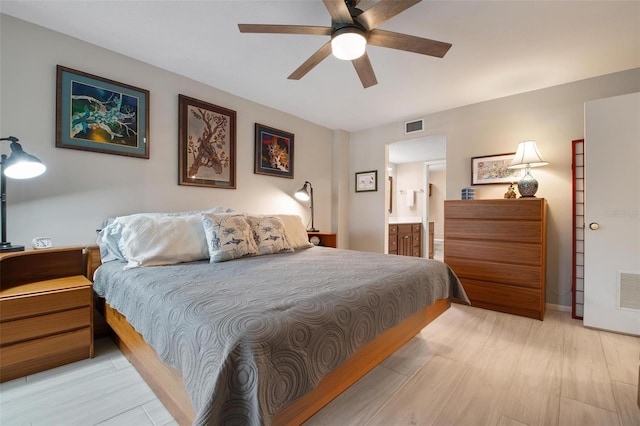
column 44, row 325
column 30, row 357
column 30, row 305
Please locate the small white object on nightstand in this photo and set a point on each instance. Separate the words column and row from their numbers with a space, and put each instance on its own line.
column 41, row 242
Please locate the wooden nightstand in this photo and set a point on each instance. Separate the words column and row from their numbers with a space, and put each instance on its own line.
column 46, row 310
column 327, row 239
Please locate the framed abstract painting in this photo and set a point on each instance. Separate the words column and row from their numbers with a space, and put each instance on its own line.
column 101, row 115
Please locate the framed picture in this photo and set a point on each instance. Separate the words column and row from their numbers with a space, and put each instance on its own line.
column 367, row 181
column 207, row 144
column 101, row 115
column 274, row 152
column 493, row 169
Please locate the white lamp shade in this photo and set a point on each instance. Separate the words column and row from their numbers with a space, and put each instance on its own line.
column 25, row 170
column 527, row 155
column 348, row 45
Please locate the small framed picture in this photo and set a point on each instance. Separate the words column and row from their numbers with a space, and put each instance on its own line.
column 274, row 152
column 492, row 169
column 367, row 181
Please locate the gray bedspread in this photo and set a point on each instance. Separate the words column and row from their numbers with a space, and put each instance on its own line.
column 252, row 335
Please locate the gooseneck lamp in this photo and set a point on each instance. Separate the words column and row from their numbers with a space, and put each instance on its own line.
column 305, row 194
column 19, row 165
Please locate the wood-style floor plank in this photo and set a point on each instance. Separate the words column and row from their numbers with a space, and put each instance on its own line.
column 584, row 369
column 622, row 354
column 534, row 391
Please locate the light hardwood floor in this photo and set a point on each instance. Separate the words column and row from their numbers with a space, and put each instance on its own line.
column 469, row 367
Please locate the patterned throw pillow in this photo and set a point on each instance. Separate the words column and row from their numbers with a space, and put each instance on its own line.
column 269, row 235
column 228, row 236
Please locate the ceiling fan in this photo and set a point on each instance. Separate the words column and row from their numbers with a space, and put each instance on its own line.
column 351, row 30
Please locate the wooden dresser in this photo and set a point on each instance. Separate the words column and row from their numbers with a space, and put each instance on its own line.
column 498, row 250
column 405, row 239
column 46, row 310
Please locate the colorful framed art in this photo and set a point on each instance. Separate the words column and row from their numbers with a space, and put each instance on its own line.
column 101, row 115
column 207, row 144
column 274, row 152
column 492, row 169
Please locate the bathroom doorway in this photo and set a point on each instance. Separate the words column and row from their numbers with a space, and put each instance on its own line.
column 417, row 186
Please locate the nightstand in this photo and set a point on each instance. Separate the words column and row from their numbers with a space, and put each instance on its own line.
column 46, row 310
column 327, row 239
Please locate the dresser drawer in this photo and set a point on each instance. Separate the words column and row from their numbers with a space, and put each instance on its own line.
column 416, row 228
column 500, row 209
column 513, row 275
column 393, row 244
column 31, row 305
column 516, row 253
column 516, row 300
column 44, row 325
column 393, row 229
column 494, row 230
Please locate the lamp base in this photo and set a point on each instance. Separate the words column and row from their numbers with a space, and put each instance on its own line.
column 312, row 230
column 527, row 186
column 8, row 247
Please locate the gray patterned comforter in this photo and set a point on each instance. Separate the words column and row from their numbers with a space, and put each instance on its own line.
column 252, row 335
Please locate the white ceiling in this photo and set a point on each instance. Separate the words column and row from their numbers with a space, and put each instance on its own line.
column 500, row 48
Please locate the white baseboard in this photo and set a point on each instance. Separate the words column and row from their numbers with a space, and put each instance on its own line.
column 554, row 307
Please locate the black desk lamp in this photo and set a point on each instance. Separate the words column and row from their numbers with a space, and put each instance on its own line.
column 19, row 165
column 305, row 194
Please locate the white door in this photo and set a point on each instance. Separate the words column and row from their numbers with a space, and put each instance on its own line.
column 612, row 214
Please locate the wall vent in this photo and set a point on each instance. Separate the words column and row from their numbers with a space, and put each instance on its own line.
column 415, row 126
column 629, row 290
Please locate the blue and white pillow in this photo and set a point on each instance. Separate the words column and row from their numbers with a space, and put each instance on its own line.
column 269, row 234
column 228, row 236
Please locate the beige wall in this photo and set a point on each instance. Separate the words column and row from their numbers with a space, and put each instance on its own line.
column 553, row 117
column 81, row 188
column 409, row 176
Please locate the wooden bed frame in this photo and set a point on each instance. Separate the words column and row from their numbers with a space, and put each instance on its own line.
column 168, row 385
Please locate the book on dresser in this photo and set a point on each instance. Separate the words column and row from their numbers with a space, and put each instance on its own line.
column 498, row 250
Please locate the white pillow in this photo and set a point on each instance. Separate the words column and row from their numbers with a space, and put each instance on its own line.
column 228, row 236
column 110, row 234
column 269, row 234
column 148, row 240
column 295, row 230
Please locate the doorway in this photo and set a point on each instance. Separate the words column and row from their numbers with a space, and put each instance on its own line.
column 416, row 189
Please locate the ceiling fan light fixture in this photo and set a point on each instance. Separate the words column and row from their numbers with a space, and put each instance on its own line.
column 348, row 43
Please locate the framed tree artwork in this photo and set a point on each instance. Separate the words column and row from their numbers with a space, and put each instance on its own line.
column 101, row 115
column 207, row 144
column 274, row 152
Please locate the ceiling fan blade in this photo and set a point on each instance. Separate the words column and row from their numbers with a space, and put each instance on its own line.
column 284, row 29
column 338, row 10
column 365, row 71
column 383, row 11
column 310, row 63
column 408, row 43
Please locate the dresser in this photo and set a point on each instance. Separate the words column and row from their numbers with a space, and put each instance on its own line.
column 405, row 239
column 46, row 310
column 498, row 250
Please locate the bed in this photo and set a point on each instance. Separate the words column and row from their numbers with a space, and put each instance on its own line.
column 269, row 337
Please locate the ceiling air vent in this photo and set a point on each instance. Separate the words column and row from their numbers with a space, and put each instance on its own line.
column 414, row 126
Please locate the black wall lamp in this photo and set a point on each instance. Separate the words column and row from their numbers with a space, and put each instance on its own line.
column 19, row 165
column 305, row 194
